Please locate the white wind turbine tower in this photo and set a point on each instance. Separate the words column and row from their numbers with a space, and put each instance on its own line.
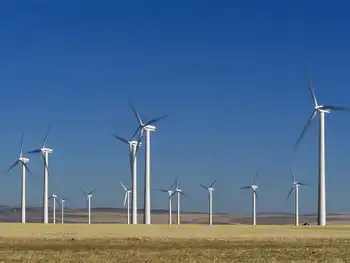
column 148, row 128
column 45, row 153
column 88, row 198
column 127, row 200
column 321, row 110
column 62, row 201
column 133, row 168
column 22, row 160
column 210, row 191
column 179, row 192
column 254, row 188
column 295, row 187
column 53, row 197
column 170, row 192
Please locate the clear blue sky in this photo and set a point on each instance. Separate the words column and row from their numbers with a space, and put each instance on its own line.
column 232, row 74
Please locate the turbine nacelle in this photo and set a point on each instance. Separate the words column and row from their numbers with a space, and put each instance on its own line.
column 321, row 108
column 254, row 187
column 54, row 196
column 23, row 159
column 46, row 150
column 149, row 128
column 134, row 143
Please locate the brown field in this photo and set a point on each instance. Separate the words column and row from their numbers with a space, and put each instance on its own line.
column 161, row 243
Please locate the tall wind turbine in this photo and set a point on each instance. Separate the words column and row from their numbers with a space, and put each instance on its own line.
column 170, row 192
column 62, row 201
column 210, row 191
column 127, row 200
column 88, row 198
column 45, row 153
column 179, row 192
column 295, row 187
column 53, row 197
column 22, row 160
column 321, row 110
column 148, row 128
column 254, row 188
column 133, row 168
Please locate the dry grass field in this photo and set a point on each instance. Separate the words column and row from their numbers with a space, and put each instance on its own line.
column 161, row 243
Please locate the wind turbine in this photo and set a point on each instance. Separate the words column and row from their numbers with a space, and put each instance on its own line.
column 45, row 153
column 127, row 200
column 148, row 128
column 321, row 110
column 179, row 192
column 88, row 197
column 254, row 188
column 295, row 187
column 62, row 201
column 133, row 167
column 210, row 191
column 53, row 197
column 170, row 192
column 22, row 160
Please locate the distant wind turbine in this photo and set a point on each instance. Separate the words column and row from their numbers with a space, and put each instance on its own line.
column 88, row 198
column 210, row 191
column 133, row 147
column 146, row 126
column 170, row 192
column 295, row 188
column 321, row 110
column 22, row 160
column 254, row 188
column 179, row 192
column 62, row 201
column 53, row 197
column 127, row 201
column 45, row 154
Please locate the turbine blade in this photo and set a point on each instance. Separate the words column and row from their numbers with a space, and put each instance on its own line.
column 47, row 133
column 83, row 191
column 137, row 130
column 336, row 108
column 136, row 114
column 213, row 183
column 173, row 185
column 125, row 197
column 291, row 174
column 120, row 139
column 162, row 190
column 246, row 187
column 290, row 192
column 22, row 137
column 27, row 169
column 35, row 151
column 304, row 184
column 204, row 186
column 157, row 119
column 13, row 165
column 92, row 191
column 182, row 193
column 123, row 186
column 139, row 141
column 256, row 176
column 45, row 163
column 311, row 90
column 305, row 128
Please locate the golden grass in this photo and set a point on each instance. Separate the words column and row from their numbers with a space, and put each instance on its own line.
column 161, row 243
